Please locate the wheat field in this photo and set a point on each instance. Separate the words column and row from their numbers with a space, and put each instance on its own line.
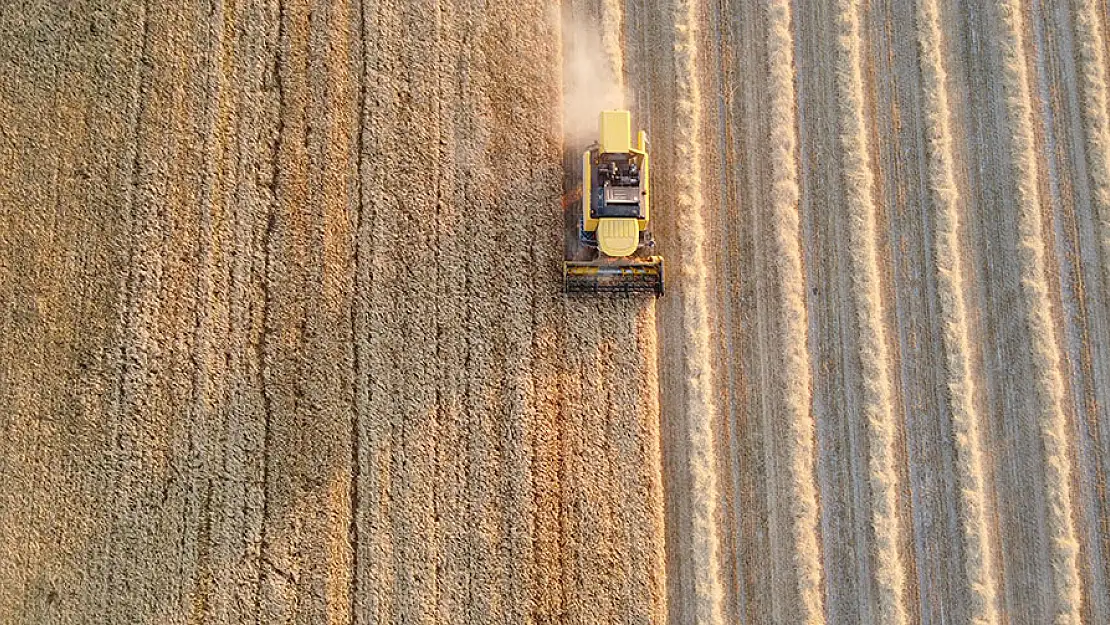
column 282, row 337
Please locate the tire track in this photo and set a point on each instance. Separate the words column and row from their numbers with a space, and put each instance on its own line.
column 251, row 405
column 308, row 360
column 234, row 493
column 209, row 372
column 273, row 337
column 375, row 575
column 453, row 526
column 162, row 495
column 295, row 248
column 138, row 306
column 944, row 194
column 1036, row 310
column 889, row 574
column 359, row 321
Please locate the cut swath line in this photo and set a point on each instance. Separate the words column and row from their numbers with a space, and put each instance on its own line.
column 1090, row 40
column 797, row 381
column 699, row 406
column 978, row 565
column 1037, row 310
column 867, row 298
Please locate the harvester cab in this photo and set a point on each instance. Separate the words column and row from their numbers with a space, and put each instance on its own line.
column 613, row 241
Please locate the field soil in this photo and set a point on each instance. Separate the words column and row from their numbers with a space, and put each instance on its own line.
column 282, row 336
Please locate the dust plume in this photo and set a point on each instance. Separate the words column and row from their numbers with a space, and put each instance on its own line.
column 593, row 75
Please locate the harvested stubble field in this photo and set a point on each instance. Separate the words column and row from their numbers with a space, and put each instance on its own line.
column 281, row 336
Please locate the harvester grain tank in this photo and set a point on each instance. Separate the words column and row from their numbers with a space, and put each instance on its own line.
column 613, row 248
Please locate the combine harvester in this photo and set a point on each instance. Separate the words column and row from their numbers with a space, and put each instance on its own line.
column 609, row 241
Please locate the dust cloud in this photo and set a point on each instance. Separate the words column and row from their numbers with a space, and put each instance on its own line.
column 593, row 79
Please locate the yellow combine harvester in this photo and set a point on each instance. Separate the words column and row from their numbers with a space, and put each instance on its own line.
column 612, row 247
